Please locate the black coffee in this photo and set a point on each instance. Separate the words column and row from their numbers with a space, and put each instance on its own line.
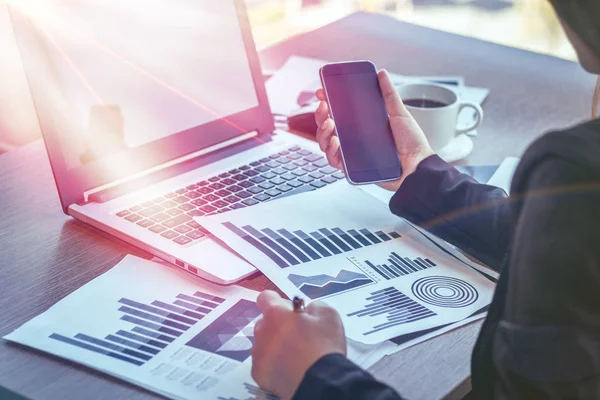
column 424, row 103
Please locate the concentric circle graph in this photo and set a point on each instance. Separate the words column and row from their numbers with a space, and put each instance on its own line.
column 445, row 291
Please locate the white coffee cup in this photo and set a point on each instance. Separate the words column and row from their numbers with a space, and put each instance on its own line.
column 439, row 121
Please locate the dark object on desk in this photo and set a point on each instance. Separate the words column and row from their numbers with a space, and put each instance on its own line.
column 303, row 119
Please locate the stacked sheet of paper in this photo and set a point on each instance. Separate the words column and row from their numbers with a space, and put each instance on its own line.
column 152, row 326
column 162, row 329
column 342, row 246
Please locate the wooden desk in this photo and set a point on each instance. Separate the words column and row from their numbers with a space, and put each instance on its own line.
column 530, row 93
column 45, row 255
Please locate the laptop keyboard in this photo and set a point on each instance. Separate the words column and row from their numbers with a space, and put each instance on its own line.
column 289, row 172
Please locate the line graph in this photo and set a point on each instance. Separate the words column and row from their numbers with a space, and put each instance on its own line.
column 318, row 286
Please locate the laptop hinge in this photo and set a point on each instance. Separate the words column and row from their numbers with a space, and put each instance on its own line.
column 121, row 186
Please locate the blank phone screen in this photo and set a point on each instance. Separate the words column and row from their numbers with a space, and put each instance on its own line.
column 362, row 123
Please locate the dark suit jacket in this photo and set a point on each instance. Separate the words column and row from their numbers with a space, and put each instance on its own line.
column 541, row 338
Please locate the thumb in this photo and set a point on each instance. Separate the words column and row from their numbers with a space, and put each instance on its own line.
column 394, row 105
column 268, row 299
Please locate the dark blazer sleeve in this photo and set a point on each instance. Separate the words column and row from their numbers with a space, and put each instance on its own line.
column 334, row 377
column 436, row 197
column 453, row 206
column 547, row 344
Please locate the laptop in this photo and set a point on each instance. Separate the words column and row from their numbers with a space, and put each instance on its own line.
column 156, row 112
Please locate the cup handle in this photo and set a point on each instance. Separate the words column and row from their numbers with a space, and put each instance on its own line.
column 478, row 116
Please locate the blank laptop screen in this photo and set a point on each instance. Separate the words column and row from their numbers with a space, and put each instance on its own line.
column 122, row 74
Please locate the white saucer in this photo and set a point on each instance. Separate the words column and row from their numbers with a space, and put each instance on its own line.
column 459, row 148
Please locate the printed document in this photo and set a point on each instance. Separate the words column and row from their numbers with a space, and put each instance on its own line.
column 164, row 330
column 343, row 246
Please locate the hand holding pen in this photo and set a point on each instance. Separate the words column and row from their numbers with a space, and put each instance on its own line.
column 290, row 338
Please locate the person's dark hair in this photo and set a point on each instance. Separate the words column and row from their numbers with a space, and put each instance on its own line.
column 583, row 18
column 596, row 101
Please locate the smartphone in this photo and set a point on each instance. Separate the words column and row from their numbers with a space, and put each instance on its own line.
column 361, row 122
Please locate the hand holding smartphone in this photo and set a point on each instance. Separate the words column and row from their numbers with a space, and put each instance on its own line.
column 361, row 121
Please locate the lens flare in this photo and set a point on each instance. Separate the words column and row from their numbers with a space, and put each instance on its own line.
column 70, row 34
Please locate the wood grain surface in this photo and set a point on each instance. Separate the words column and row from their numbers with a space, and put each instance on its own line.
column 45, row 255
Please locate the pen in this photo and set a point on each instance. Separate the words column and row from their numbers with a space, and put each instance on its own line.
column 298, row 304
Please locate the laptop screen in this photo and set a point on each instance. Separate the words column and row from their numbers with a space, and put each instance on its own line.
column 131, row 72
column 124, row 85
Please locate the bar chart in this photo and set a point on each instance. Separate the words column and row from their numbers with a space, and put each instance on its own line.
column 255, row 392
column 287, row 248
column 155, row 326
column 399, row 266
column 397, row 308
column 318, row 286
column 232, row 334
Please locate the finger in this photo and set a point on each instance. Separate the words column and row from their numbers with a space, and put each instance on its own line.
column 324, row 134
column 393, row 103
column 322, row 113
column 333, row 152
column 267, row 299
column 263, row 335
column 321, row 95
column 320, row 309
column 260, row 354
column 273, row 307
column 258, row 371
column 275, row 315
column 339, row 163
column 259, row 328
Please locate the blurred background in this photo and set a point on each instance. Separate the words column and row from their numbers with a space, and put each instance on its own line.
column 527, row 24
